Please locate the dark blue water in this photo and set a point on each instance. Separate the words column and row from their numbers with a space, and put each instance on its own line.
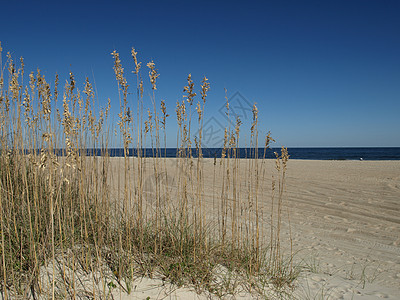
column 339, row 153
column 295, row 153
column 345, row 153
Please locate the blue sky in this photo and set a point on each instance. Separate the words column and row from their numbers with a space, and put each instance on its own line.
column 323, row 73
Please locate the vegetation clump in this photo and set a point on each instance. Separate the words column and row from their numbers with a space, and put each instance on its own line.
column 76, row 224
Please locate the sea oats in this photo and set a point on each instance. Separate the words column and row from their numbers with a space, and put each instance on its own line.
column 141, row 88
column 255, row 120
column 189, row 90
column 164, row 112
column 137, row 64
column 199, row 111
column 205, row 87
column 153, row 75
column 62, row 214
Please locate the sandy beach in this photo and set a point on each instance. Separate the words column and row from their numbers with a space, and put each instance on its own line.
column 344, row 220
column 346, row 223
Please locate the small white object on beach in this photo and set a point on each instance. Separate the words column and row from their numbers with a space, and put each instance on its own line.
column 361, row 158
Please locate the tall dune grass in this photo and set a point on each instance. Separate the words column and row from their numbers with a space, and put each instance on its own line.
column 77, row 225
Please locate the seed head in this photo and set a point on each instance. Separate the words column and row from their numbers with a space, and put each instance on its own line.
column 205, row 86
column 199, row 111
column 164, row 112
column 119, row 73
column 189, row 90
column 227, row 102
column 141, row 87
column 153, row 74
column 137, row 64
column 268, row 139
column 255, row 120
column 22, row 65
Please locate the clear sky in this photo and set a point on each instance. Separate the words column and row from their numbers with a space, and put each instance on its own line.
column 323, row 73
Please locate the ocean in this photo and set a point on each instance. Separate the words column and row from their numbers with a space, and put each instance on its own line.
column 337, row 153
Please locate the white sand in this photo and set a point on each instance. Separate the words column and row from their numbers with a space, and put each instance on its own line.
column 345, row 222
